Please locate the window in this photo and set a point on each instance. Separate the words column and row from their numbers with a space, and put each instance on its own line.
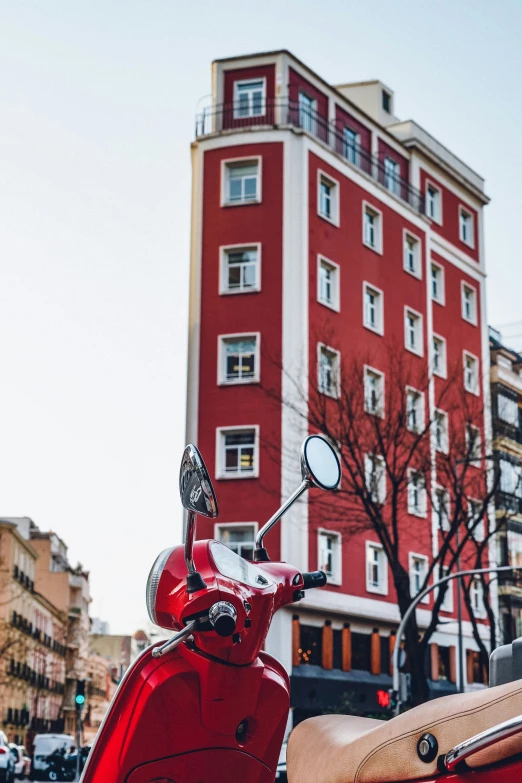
column 375, row 477
column 473, row 445
column 237, row 453
column 328, row 283
column 514, row 549
column 510, row 477
column 442, row 508
column 476, row 522
column 329, row 555
column 239, row 358
column 437, row 284
column 392, row 176
column 439, row 356
column 351, row 146
column 386, row 101
column 418, row 572
column 242, row 182
column 373, row 309
column 447, row 603
column 373, row 391
column 240, row 538
column 416, row 493
column 471, row 376
column 469, row 304
column 507, row 409
column 307, row 112
column 433, row 203
column 440, row 422
column 413, row 331
column 476, row 594
column 412, row 259
column 240, row 270
column 372, row 227
column 414, row 410
column 249, row 98
column 376, row 569
column 328, row 370
column 328, row 199
column 466, row 227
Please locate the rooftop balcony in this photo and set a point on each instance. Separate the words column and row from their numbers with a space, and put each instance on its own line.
column 282, row 112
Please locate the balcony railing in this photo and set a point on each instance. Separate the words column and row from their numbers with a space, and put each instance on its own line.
column 284, row 112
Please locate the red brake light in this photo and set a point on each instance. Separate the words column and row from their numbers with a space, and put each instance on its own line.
column 2, row 751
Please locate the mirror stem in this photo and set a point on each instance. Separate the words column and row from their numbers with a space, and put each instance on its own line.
column 260, row 553
column 195, row 581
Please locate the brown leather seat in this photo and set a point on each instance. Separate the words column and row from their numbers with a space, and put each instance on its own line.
column 348, row 749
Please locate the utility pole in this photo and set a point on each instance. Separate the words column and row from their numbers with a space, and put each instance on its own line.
column 80, row 701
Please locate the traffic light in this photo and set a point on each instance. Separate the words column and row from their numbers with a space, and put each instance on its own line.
column 392, row 700
column 80, row 693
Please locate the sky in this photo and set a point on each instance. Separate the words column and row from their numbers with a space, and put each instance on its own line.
column 97, row 114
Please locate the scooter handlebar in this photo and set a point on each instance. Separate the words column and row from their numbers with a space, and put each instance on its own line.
column 314, row 579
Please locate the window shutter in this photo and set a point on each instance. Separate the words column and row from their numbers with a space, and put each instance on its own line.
column 375, row 652
column 327, row 651
column 392, row 643
column 453, row 663
column 346, row 638
column 469, row 666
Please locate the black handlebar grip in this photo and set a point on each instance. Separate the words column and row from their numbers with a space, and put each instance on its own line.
column 223, row 617
column 314, row 579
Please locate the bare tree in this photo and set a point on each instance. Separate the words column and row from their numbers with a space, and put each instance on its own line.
column 413, row 449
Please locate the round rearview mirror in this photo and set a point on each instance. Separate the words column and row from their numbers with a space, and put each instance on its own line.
column 319, row 463
column 195, row 486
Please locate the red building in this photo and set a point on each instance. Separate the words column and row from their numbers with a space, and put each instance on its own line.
column 316, row 210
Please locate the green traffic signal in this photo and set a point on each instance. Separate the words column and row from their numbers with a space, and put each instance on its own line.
column 80, row 699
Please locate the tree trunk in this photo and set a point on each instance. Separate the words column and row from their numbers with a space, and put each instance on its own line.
column 415, row 650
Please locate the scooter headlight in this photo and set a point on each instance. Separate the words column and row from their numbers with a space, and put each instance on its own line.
column 153, row 582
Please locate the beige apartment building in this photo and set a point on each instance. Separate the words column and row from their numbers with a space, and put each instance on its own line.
column 66, row 587
column 32, row 640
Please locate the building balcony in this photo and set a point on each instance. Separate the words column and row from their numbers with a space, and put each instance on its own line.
column 281, row 112
column 505, row 431
column 74, row 612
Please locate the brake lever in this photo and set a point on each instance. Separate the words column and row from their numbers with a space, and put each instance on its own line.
column 176, row 639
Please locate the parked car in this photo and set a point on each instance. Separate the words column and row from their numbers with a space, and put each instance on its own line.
column 20, row 757
column 7, row 762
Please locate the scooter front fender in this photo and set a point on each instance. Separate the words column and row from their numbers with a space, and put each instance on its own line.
column 188, row 718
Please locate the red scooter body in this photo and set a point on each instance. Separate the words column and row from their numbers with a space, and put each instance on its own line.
column 213, row 710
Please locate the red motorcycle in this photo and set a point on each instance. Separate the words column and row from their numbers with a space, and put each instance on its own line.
column 210, row 706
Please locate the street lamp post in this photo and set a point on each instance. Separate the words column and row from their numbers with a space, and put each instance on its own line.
column 412, row 607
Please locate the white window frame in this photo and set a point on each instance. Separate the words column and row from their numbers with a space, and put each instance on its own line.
column 356, row 150
column 410, row 390
column 448, row 603
column 222, row 339
column 368, row 208
column 379, row 329
column 369, row 460
column 412, row 556
column 470, row 215
column 476, row 454
column 442, row 298
column 438, row 217
column 322, row 176
column 441, row 372
column 223, row 268
column 476, row 389
column 220, row 445
column 335, row 304
column 320, row 347
column 444, row 449
column 420, row 321
column 464, row 285
column 417, row 271
column 382, row 588
column 337, row 576
column 480, row 613
column 396, row 166
column 236, row 98
column 422, row 512
column 442, row 526
column 313, row 108
column 482, row 526
column 218, row 526
column 367, row 371
column 225, row 168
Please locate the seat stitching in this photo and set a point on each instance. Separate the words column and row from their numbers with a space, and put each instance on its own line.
column 431, row 724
